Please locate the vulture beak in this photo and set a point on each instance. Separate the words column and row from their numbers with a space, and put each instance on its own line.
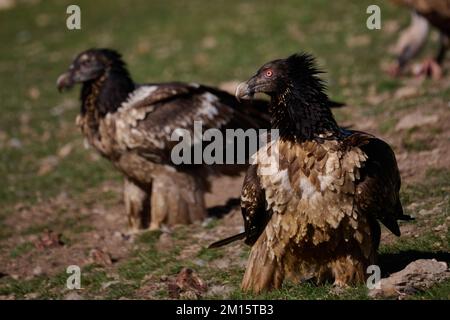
column 245, row 90
column 65, row 81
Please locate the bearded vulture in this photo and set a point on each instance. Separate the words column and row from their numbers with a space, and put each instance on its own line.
column 131, row 125
column 312, row 196
column 424, row 13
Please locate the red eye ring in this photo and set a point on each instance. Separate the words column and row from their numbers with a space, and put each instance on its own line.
column 268, row 73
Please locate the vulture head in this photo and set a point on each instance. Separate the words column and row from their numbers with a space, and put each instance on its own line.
column 297, row 72
column 90, row 65
column 300, row 107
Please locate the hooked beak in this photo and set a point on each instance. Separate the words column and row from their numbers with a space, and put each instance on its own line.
column 243, row 92
column 246, row 90
column 65, row 81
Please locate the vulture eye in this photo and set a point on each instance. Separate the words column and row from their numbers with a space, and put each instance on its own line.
column 268, row 73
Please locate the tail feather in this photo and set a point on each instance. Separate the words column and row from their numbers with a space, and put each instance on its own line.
column 228, row 240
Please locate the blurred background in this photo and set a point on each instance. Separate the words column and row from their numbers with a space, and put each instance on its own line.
column 56, row 194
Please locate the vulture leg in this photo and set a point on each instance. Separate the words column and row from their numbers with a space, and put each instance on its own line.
column 347, row 269
column 177, row 198
column 137, row 204
column 263, row 272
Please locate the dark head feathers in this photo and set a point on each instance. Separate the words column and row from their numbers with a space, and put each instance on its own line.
column 104, row 54
column 302, row 69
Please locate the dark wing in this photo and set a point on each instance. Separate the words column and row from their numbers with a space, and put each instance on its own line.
column 253, row 206
column 377, row 191
column 153, row 112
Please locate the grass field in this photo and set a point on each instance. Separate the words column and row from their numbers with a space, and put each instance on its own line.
column 51, row 184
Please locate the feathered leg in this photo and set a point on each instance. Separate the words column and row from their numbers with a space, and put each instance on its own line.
column 263, row 271
column 177, row 198
column 137, row 204
column 348, row 269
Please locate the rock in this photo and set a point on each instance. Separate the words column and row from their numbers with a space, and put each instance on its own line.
column 109, row 283
column 417, row 276
column 442, row 227
column 65, row 150
column 47, row 165
column 7, row 4
column 32, row 295
column 416, row 119
column 34, row 93
column 15, row 143
column 209, row 42
column 221, row 291
column 37, row 271
column 358, row 41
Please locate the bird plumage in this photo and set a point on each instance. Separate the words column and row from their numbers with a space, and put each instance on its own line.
column 132, row 125
column 314, row 214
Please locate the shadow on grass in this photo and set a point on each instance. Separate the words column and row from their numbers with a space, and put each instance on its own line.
column 394, row 262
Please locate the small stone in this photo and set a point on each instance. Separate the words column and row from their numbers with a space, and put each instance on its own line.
column 65, row 150
column 34, row 93
column 163, row 278
column 47, row 165
column 406, row 92
column 32, row 295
